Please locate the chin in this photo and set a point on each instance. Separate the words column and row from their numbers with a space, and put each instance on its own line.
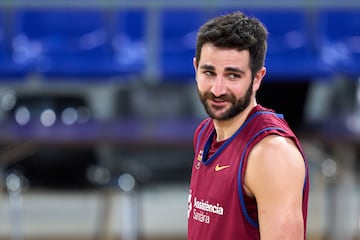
column 219, row 117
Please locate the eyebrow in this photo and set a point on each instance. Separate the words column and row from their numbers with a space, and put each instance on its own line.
column 207, row 67
column 227, row 69
column 234, row 69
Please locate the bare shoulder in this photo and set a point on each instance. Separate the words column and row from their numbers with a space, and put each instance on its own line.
column 276, row 148
column 276, row 160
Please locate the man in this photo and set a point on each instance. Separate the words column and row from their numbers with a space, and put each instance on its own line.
column 250, row 176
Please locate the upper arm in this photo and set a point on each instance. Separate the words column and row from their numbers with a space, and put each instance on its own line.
column 275, row 176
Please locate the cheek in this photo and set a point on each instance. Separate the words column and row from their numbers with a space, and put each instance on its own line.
column 202, row 85
column 239, row 90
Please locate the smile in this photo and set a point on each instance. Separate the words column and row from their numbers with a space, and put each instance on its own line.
column 218, row 103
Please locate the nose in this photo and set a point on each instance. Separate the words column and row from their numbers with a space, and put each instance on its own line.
column 218, row 87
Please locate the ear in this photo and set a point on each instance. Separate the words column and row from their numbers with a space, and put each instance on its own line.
column 195, row 64
column 258, row 78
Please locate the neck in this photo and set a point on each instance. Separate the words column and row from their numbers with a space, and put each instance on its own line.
column 226, row 128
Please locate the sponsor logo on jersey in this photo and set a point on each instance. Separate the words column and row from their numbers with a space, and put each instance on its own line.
column 218, row 167
column 189, row 203
column 203, row 210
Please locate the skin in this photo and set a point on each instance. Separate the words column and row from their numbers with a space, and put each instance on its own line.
column 276, row 171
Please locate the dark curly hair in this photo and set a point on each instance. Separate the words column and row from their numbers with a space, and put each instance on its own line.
column 235, row 31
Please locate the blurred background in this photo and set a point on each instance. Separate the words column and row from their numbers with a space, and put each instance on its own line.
column 98, row 106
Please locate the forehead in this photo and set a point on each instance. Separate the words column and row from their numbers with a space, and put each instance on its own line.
column 222, row 58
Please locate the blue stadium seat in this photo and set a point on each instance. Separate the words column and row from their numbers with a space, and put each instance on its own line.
column 178, row 37
column 66, row 42
column 340, row 32
column 129, row 41
column 292, row 52
column 10, row 69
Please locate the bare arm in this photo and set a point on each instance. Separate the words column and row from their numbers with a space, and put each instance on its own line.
column 275, row 177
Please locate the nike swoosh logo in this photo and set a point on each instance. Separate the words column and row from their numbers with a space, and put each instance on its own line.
column 219, row 168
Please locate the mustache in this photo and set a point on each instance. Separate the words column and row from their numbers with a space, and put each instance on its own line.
column 224, row 97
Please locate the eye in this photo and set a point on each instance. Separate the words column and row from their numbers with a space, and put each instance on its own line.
column 209, row 73
column 233, row 76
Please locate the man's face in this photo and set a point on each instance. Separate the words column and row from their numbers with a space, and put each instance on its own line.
column 224, row 81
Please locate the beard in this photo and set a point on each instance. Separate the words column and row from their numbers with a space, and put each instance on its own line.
column 238, row 105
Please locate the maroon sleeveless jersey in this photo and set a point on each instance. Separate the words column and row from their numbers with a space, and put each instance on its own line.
column 218, row 207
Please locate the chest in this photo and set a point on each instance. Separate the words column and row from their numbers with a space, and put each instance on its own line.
column 217, row 178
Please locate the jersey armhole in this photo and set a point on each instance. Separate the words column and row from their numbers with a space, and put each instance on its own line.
column 240, row 180
column 200, row 134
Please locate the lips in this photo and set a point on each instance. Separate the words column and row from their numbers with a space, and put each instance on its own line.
column 218, row 103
